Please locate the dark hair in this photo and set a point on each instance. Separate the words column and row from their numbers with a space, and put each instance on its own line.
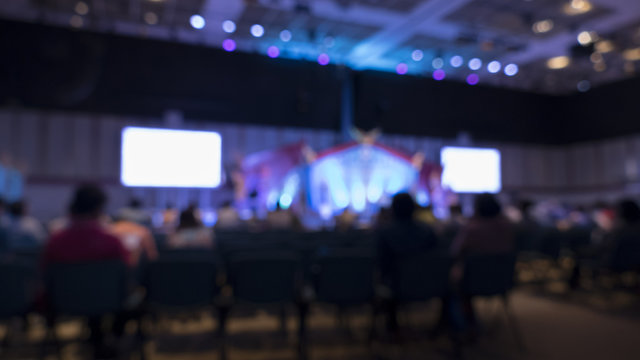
column 227, row 203
column 135, row 203
column 403, row 206
column 629, row 211
column 455, row 209
column 487, row 206
column 88, row 200
column 188, row 220
column 17, row 209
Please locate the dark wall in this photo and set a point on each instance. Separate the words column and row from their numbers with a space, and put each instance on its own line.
column 415, row 105
column 604, row 112
column 56, row 68
column 64, row 69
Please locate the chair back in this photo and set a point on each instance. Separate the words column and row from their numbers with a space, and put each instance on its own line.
column 626, row 255
column 345, row 277
column 181, row 282
column 264, row 277
column 16, row 288
column 421, row 277
column 488, row 274
column 86, row 289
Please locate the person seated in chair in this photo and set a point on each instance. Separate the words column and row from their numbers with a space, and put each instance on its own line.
column 403, row 236
column 22, row 225
column 86, row 239
column 136, row 238
column 191, row 233
column 488, row 232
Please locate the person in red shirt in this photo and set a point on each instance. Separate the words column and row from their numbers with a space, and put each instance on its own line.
column 85, row 239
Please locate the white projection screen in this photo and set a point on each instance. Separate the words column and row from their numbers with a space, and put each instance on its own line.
column 471, row 170
column 170, row 158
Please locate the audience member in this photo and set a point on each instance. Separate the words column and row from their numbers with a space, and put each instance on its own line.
column 487, row 232
column 85, row 238
column 403, row 237
column 626, row 228
column 135, row 212
column 191, row 232
column 170, row 216
column 21, row 224
column 136, row 238
column 282, row 219
column 228, row 217
column 451, row 227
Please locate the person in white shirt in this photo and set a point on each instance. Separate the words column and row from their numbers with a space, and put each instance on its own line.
column 20, row 223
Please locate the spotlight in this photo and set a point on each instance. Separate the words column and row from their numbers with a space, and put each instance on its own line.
column 228, row 26
column 475, row 64
column 323, row 59
column 584, row 86
column 439, row 75
column 151, row 18
column 285, row 35
column 417, row 55
column 437, row 63
column 494, row 67
column 81, row 8
column 558, row 62
column 229, row 45
column 197, row 21
column 456, row 61
column 257, row 30
column 402, row 69
column 473, row 79
column 511, row 70
column 273, row 52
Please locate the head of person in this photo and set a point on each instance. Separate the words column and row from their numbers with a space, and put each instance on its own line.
column 402, row 207
column 455, row 210
column 135, row 203
column 88, row 202
column 188, row 220
column 17, row 209
column 486, row 206
column 226, row 204
column 525, row 207
column 628, row 211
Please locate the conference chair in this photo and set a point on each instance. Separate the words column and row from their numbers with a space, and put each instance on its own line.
column 345, row 278
column 266, row 279
column 179, row 285
column 89, row 290
column 16, row 294
column 489, row 276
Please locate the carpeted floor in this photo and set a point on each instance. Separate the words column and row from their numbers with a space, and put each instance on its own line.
column 553, row 327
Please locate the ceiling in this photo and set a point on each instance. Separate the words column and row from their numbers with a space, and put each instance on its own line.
column 383, row 34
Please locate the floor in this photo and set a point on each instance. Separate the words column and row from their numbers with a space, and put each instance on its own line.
column 555, row 325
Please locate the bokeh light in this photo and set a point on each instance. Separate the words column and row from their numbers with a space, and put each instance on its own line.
column 285, row 35
column 437, row 63
column 229, row 45
column 273, row 52
column 584, row 86
column 494, row 67
column 473, row 79
column 456, row 61
column 417, row 55
column 439, row 75
column 257, row 30
column 402, row 68
column 197, row 21
column 511, row 70
column 323, row 59
column 228, row 26
column 475, row 64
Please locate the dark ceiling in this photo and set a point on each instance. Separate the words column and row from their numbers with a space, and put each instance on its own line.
column 380, row 34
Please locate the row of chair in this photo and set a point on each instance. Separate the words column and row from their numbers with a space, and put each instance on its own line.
column 183, row 282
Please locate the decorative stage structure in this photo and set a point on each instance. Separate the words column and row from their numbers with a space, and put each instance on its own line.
column 361, row 176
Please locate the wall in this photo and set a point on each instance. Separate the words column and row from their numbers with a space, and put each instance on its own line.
column 63, row 149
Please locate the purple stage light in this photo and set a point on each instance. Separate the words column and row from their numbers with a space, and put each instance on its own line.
column 273, row 52
column 402, row 69
column 323, row 59
column 473, row 79
column 229, row 45
column 439, row 75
